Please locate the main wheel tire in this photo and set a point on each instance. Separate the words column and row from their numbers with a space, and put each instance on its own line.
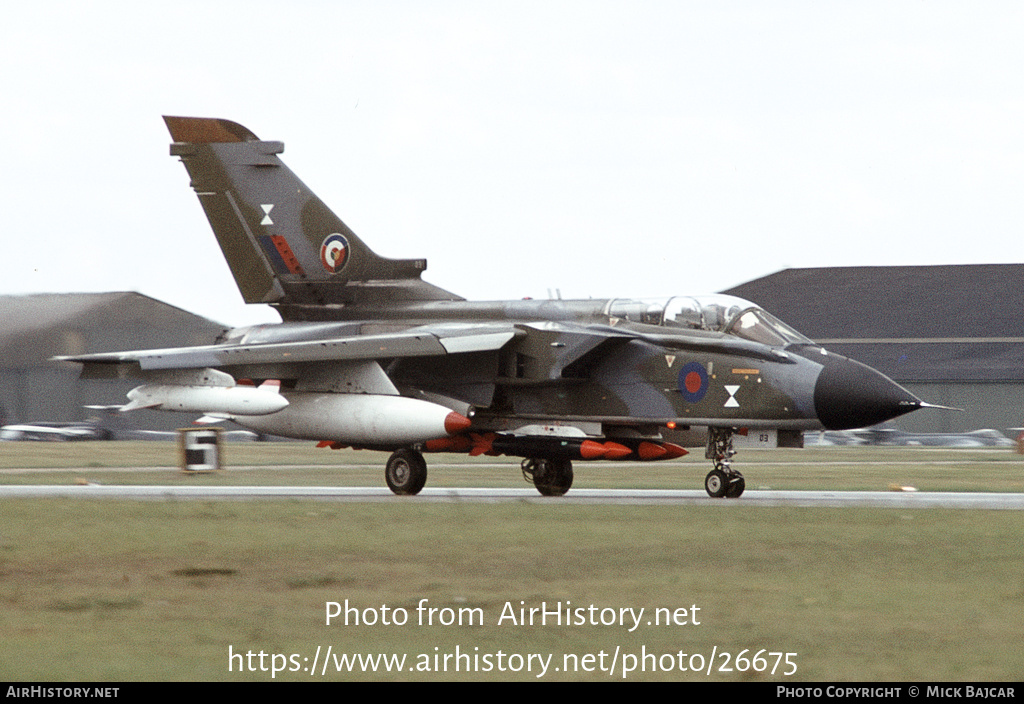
column 553, row 477
column 406, row 472
column 716, row 483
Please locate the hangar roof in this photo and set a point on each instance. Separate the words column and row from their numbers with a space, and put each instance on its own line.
column 35, row 327
column 914, row 323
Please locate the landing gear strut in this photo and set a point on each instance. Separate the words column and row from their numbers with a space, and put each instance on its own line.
column 723, row 480
column 406, row 472
column 551, row 477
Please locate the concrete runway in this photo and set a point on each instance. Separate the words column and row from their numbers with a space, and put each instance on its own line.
column 752, row 497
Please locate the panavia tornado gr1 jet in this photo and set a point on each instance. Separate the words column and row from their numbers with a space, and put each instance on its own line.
column 371, row 356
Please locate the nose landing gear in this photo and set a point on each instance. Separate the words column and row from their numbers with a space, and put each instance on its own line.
column 723, row 480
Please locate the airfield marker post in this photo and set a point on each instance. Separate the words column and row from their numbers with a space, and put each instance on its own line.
column 199, row 449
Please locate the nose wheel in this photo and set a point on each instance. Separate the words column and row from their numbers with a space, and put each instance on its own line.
column 723, row 481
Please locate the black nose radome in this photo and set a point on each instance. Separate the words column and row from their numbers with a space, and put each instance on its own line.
column 849, row 395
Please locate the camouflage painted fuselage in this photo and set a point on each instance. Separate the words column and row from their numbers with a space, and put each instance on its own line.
column 514, row 377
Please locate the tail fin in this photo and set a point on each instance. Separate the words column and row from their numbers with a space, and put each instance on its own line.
column 283, row 245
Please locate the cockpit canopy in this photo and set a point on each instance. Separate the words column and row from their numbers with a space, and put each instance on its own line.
column 712, row 313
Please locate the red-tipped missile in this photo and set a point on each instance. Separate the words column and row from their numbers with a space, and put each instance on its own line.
column 674, row 450
column 649, row 451
column 615, row 451
column 495, row 444
column 591, row 450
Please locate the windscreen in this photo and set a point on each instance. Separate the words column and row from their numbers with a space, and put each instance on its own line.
column 760, row 326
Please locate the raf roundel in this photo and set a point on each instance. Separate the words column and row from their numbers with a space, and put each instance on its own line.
column 334, row 253
column 693, row 381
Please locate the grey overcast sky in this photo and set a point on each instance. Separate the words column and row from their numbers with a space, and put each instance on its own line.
column 633, row 148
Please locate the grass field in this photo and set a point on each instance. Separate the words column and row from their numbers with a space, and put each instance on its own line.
column 115, row 590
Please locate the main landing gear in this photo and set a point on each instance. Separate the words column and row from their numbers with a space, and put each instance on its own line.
column 723, row 480
column 551, row 477
column 406, row 472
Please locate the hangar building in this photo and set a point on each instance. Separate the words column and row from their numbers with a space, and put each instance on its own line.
column 953, row 335
column 34, row 328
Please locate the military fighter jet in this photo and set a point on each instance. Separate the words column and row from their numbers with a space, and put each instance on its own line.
column 371, row 356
